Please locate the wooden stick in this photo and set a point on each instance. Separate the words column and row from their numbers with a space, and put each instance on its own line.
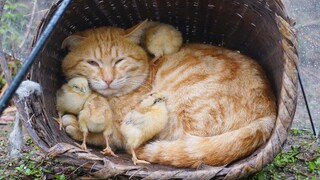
column 315, row 132
column 30, row 23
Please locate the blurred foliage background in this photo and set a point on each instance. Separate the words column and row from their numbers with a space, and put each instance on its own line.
column 19, row 23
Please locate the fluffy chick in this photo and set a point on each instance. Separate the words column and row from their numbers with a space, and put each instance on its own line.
column 71, row 97
column 162, row 39
column 96, row 117
column 143, row 123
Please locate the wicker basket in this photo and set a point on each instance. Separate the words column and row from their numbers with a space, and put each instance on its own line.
column 258, row 28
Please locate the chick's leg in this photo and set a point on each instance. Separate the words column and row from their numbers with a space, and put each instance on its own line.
column 84, row 142
column 59, row 120
column 108, row 151
column 136, row 160
column 84, row 129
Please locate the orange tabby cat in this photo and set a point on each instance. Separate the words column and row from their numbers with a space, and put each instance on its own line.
column 220, row 105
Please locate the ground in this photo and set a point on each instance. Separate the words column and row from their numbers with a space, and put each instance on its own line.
column 33, row 164
column 300, row 159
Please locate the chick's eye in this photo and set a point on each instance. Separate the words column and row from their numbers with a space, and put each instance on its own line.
column 93, row 63
column 76, row 87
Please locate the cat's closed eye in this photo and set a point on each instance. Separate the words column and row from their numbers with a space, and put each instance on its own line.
column 118, row 61
column 93, row 63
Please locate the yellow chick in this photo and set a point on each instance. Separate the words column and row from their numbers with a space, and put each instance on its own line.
column 143, row 123
column 71, row 97
column 162, row 39
column 96, row 117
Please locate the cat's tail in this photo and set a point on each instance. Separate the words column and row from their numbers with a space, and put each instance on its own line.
column 222, row 149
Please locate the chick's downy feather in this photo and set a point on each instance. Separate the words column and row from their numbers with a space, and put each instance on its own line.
column 72, row 96
column 96, row 117
column 143, row 123
column 162, row 39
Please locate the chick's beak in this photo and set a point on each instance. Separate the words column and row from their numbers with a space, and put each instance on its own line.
column 84, row 90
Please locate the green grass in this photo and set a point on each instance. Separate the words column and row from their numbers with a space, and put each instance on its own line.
column 300, row 159
column 35, row 165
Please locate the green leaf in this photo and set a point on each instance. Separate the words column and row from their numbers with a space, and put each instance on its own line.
column 317, row 161
column 20, row 168
column 28, row 172
column 296, row 131
column 60, row 177
column 312, row 166
column 261, row 175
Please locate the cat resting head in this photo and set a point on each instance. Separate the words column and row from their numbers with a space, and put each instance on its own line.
column 110, row 58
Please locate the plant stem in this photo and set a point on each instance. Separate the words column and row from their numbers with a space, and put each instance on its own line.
column 3, row 60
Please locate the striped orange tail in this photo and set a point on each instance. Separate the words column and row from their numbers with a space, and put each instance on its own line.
column 222, row 149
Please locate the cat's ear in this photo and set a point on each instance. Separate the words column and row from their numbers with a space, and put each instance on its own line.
column 71, row 41
column 136, row 32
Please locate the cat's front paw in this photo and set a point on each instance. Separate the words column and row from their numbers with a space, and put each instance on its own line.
column 71, row 126
column 69, row 119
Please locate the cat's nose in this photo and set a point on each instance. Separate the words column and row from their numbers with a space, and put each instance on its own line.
column 108, row 81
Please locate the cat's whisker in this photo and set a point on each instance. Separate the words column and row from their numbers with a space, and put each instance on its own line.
column 137, row 83
column 141, row 85
column 145, row 82
column 139, row 75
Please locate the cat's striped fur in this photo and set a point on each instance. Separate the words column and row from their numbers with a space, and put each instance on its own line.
column 221, row 107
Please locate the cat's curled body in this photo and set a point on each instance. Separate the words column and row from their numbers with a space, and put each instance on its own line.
column 220, row 105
